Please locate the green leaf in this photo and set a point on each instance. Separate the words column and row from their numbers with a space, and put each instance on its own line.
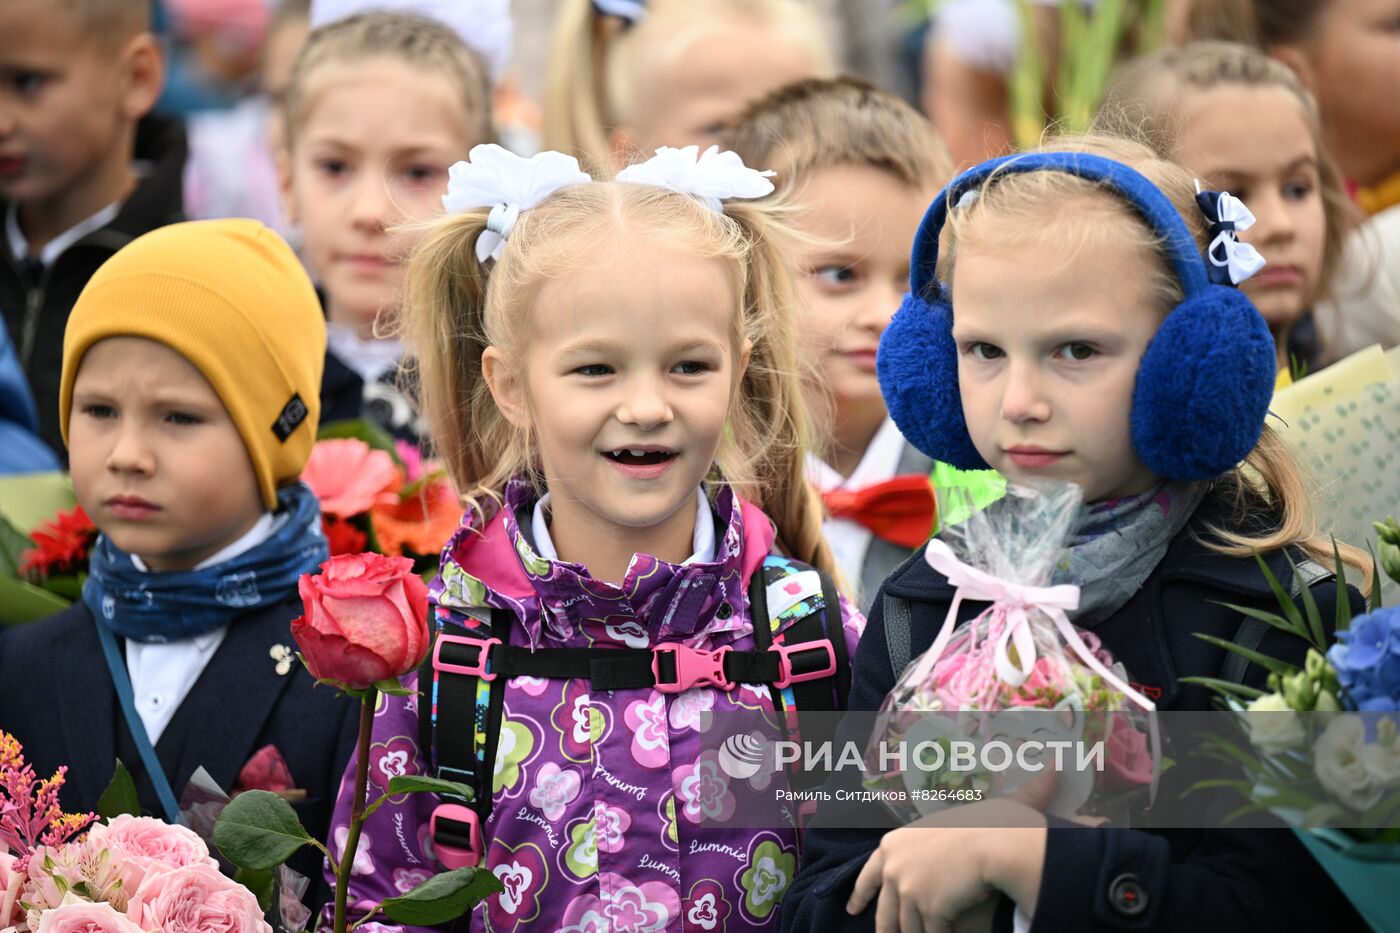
column 1317, row 636
column 65, row 586
column 1284, row 602
column 22, row 602
column 1375, row 601
column 1343, row 604
column 120, row 795
column 259, row 830
column 421, row 784
column 1225, row 686
column 1272, row 618
column 1242, row 811
column 259, row 882
column 1272, row 665
column 392, row 687
column 1236, row 783
column 13, row 544
column 1245, row 759
column 443, row 897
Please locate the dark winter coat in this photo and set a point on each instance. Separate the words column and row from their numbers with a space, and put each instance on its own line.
column 36, row 310
column 1116, row 879
column 58, row 699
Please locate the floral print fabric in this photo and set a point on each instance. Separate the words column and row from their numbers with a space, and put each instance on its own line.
column 608, row 807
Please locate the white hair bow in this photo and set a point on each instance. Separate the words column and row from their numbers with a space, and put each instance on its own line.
column 629, row 10
column 484, row 25
column 508, row 184
column 1229, row 261
column 711, row 176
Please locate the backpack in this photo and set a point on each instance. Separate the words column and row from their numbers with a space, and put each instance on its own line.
column 801, row 655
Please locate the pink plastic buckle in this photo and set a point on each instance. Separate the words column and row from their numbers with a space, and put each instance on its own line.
column 693, row 667
column 452, row 856
column 787, row 678
column 477, row 669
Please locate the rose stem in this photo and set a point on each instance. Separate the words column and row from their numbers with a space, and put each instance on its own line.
column 357, row 808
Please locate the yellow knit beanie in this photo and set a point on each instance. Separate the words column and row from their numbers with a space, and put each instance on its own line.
column 230, row 297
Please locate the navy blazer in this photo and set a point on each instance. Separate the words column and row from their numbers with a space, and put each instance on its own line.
column 57, row 698
column 1260, row 879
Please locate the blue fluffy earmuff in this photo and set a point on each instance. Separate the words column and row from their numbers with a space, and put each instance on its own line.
column 1204, row 383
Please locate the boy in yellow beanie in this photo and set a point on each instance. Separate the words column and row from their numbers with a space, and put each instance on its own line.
column 189, row 403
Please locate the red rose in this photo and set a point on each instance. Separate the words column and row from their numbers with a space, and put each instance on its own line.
column 366, row 619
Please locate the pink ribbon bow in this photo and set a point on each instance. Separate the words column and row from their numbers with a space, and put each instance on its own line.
column 1013, row 602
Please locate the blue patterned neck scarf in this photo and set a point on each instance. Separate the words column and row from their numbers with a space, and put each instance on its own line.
column 164, row 607
column 1117, row 544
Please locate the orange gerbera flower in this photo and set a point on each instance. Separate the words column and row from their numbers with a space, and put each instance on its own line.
column 421, row 522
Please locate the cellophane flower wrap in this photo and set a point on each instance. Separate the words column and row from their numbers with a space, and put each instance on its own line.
column 1019, row 673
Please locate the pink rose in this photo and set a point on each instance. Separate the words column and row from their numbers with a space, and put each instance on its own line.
column 348, row 476
column 143, row 845
column 196, row 899
column 10, row 883
column 1128, row 759
column 365, row 619
column 76, row 915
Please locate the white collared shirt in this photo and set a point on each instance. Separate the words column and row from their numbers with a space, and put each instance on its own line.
column 849, row 540
column 19, row 244
column 703, row 542
column 162, row 674
column 368, row 359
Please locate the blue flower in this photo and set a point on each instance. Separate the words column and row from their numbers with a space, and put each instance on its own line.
column 1367, row 660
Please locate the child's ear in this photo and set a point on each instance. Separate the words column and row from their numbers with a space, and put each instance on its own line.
column 506, row 387
column 283, row 158
column 1294, row 57
column 142, row 68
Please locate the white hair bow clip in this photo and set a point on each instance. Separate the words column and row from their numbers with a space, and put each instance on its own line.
column 484, row 25
column 1228, row 261
column 630, row 11
column 508, row 184
column 711, row 176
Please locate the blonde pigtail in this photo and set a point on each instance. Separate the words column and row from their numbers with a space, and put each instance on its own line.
column 772, row 432
column 444, row 325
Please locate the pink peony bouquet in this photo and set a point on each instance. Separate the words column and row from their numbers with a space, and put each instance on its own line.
column 61, row 874
column 1018, row 689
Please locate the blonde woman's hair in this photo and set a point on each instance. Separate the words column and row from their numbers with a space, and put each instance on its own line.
column 824, row 123
column 456, row 307
column 1146, row 96
column 1269, row 490
column 599, row 63
column 414, row 40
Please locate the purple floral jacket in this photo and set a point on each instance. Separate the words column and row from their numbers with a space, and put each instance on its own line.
column 598, row 798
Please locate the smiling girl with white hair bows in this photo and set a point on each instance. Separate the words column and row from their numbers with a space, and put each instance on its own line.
column 609, row 371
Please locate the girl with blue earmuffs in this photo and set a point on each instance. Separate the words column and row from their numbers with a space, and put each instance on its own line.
column 1093, row 342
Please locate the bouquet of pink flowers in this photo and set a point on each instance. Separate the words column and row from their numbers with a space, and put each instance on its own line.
column 987, row 705
column 61, row 874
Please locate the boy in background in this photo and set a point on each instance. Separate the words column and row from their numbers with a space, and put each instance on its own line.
column 84, row 168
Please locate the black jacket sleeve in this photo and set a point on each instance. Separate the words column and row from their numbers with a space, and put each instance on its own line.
column 833, row 856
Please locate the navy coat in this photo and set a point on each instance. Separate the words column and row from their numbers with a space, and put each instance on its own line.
column 57, row 698
column 1259, row 879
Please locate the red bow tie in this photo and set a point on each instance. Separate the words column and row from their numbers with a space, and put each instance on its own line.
column 900, row 510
